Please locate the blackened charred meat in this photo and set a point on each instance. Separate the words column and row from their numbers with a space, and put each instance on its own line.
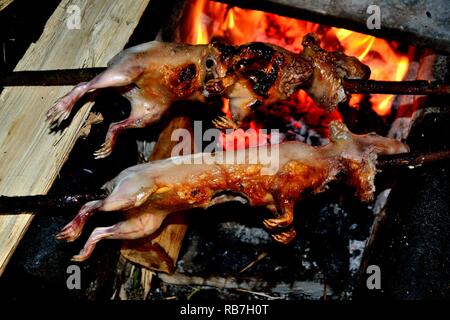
column 182, row 80
column 268, row 73
column 257, row 74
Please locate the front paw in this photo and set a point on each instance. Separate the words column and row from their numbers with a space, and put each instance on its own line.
column 213, row 87
column 223, row 123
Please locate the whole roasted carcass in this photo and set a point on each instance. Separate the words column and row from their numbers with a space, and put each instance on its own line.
column 154, row 75
column 148, row 193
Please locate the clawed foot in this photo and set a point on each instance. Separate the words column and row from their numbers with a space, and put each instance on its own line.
column 104, row 151
column 70, row 232
column 60, row 111
column 213, row 87
column 286, row 236
column 276, row 223
column 96, row 235
column 83, row 255
column 224, row 123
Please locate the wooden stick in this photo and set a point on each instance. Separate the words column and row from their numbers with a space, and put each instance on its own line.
column 61, row 77
column 416, row 87
column 253, row 285
column 17, row 204
column 21, row 204
column 65, row 77
column 410, row 160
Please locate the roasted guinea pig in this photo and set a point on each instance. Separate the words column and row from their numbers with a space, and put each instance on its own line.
column 154, row 75
column 255, row 75
column 259, row 74
column 151, row 76
column 294, row 169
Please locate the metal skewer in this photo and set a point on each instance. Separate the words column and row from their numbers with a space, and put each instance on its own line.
column 65, row 77
column 20, row 204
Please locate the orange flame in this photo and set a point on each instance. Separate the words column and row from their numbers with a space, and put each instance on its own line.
column 209, row 20
column 381, row 57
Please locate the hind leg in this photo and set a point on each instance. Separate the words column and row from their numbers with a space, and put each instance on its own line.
column 143, row 114
column 120, row 199
column 111, row 137
column 138, row 226
column 115, row 76
column 73, row 229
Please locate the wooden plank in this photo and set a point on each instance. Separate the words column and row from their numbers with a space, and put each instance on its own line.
column 162, row 251
column 30, row 157
column 5, row 3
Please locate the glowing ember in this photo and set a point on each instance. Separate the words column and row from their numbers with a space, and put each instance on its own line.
column 209, row 20
column 239, row 139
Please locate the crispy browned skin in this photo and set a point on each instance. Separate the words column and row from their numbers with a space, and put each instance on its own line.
column 154, row 75
column 257, row 74
column 330, row 68
column 176, row 184
column 151, row 76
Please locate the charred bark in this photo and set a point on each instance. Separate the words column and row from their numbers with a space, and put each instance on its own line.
column 411, row 241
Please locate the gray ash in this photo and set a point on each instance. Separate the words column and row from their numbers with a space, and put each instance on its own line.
column 298, row 130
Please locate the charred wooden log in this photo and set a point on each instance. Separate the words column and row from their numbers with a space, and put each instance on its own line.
column 409, row 242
